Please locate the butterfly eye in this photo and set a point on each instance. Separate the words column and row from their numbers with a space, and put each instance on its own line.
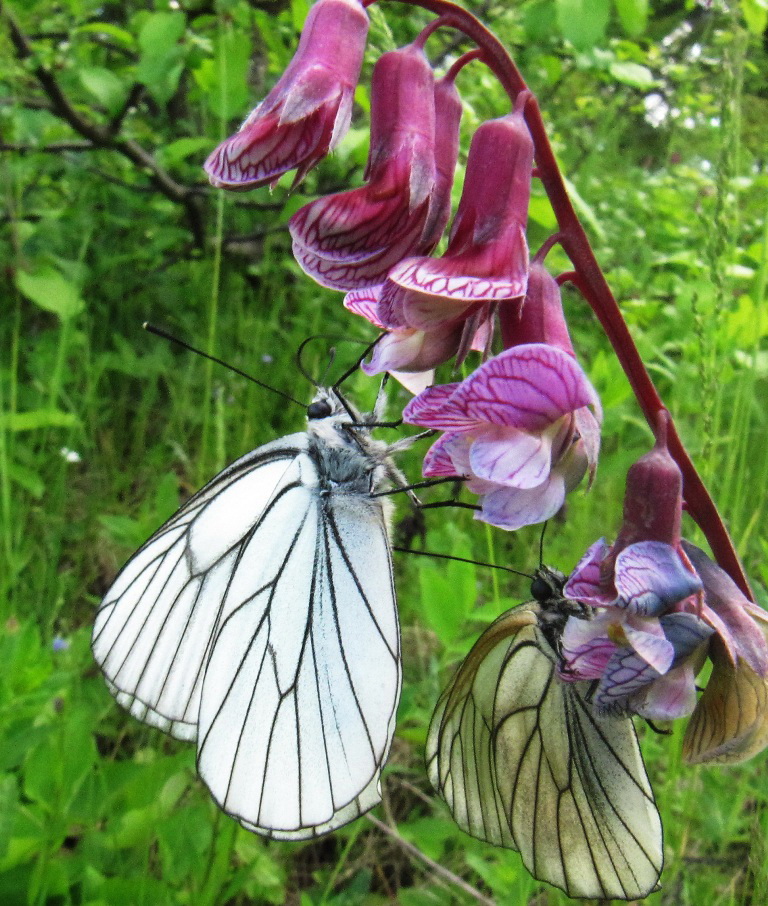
column 318, row 409
column 541, row 590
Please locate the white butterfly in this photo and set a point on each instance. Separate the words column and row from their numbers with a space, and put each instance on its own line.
column 523, row 761
column 260, row 621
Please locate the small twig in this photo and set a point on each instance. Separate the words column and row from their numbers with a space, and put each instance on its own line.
column 53, row 148
column 436, row 867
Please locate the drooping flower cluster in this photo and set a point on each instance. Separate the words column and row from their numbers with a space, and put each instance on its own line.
column 375, row 243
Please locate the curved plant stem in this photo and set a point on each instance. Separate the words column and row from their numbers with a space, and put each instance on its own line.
column 589, row 279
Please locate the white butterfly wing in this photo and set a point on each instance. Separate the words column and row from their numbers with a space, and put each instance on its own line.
column 572, row 788
column 261, row 621
column 307, row 670
column 153, row 631
column 578, row 800
column 460, row 757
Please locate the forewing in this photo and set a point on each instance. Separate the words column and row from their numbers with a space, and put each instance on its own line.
column 460, row 756
column 577, row 798
column 153, row 631
column 301, row 688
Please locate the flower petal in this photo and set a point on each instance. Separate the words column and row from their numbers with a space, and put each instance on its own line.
column 512, row 508
column 625, row 674
column 586, row 648
column 730, row 722
column 495, row 270
column 669, row 697
column 648, row 641
column 650, row 577
column 510, row 457
column 365, row 302
column 585, row 583
column 527, row 387
column 741, row 635
column 412, row 350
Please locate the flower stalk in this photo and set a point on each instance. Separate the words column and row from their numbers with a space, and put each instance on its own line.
column 588, row 278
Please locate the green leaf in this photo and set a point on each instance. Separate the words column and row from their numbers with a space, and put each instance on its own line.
column 160, row 32
column 104, row 85
column 119, row 35
column 50, row 289
column 633, row 15
column 38, row 418
column 632, row 74
column 584, row 210
column 175, row 152
column 161, row 62
column 224, row 79
column 755, row 14
column 583, row 22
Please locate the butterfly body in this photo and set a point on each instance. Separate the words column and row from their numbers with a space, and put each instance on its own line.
column 523, row 762
column 248, row 623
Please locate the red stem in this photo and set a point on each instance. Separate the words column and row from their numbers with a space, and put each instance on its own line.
column 589, row 279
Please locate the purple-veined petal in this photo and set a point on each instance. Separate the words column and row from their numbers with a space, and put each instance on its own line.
column 686, row 632
column 650, row 577
column 365, row 302
column 667, row 698
column 585, row 583
column 586, row 648
column 512, row 508
column 625, row 674
column 731, row 613
column 438, row 462
column 433, row 409
column 306, row 113
column 349, row 275
column 356, row 227
column 527, row 387
column 412, row 350
column 260, row 153
column 510, row 457
column 493, row 271
column 646, row 637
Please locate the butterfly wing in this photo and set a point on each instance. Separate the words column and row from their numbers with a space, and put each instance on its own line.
column 260, row 620
column 460, row 758
column 153, row 631
column 301, row 689
column 578, row 800
column 571, row 787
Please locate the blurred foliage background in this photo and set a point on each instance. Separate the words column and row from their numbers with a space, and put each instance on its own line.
column 657, row 109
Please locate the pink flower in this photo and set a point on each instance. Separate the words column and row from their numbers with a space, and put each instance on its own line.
column 653, row 627
column 641, row 641
column 352, row 239
column 309, row 109
column 487, row 255
column 518, row 428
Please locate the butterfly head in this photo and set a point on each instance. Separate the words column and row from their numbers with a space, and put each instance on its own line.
column 547, row 585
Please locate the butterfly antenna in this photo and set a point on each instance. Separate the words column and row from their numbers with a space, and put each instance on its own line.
column 159, row 332
column 300, row 361
column 541, row 543
column 506, row 569
column 350, row 371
